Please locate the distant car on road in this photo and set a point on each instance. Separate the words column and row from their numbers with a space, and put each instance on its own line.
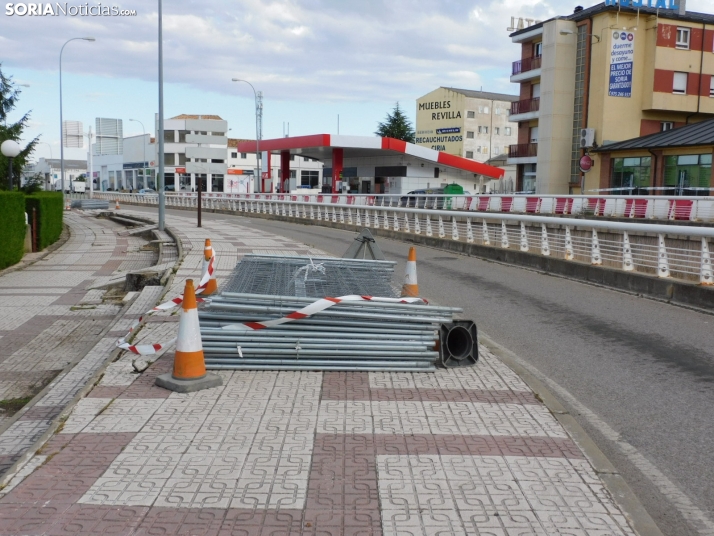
column 416, row 200
column 144, row 191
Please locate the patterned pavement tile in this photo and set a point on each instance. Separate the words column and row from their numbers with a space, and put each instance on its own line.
column 460, row 451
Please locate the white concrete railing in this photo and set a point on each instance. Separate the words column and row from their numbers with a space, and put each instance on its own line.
column 678, row 251
column 610, row 206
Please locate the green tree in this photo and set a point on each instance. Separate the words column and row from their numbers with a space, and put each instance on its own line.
column 396, row 126
column 9, row 94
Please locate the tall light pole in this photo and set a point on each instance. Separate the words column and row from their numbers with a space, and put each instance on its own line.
column 160, row 178
column 143, row 163
column 60, row 88
column 258, row 133
column 91, row 167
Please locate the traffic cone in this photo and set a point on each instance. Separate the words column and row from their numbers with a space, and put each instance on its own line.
column 212, row 286
column 189, row 373
column 116, row 207
column 67, row 205
column 410, row 287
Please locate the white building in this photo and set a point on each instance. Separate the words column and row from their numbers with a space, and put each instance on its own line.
column 50, row 169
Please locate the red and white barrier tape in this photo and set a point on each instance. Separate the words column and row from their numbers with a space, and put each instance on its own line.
column 315, row 307
column 149, row 349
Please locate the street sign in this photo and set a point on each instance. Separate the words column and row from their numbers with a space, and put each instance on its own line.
column 586, row 163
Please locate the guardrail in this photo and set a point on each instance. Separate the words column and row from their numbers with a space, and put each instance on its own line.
column 658, row 207
column 680, row 252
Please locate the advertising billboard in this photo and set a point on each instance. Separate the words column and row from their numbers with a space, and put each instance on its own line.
column 622, row 55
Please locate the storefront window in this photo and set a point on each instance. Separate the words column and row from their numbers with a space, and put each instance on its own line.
column 529, row 178
column 185, row 182
column 217, row 182
column 631, row 174
column 688, row 174
column 309, row 178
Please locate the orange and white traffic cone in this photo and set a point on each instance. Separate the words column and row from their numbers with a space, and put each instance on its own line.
column 410, row 287
column 212, row 285
column 189, row 373
column 116, row 207
column 67, row 205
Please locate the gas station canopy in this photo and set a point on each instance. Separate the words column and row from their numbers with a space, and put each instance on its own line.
column 358, row 151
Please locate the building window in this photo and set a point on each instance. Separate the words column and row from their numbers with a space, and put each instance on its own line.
column 470, row 115
column 682, row 38
column 182, row 159
column 469, row 154
column 244, row 156
column 485, row 109
column 169, row 136
column 217, row 161
column 182, row 135
column 234, row 155
column 309, row 178
column 496, row 149
column 538, row 49
column 711, row 87
column 630, row 174
column 292, row 157
column 507, row 131
column 688, row 174
column 293, row 173
column 666, row 125
column 216, row 183
column 483, row 130
column 169, row 159
column 480, row 109
column 680, row 83
column 497, row 131
column 469, row 134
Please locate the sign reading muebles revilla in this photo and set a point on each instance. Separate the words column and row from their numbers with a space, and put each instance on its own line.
column 622, row 55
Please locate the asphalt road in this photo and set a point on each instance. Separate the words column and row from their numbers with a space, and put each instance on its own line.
column 637, row 374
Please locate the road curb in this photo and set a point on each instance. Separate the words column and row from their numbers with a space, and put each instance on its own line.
column 639, row 518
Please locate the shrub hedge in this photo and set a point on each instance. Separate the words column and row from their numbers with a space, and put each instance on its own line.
column 12, row 228
column 50, row 210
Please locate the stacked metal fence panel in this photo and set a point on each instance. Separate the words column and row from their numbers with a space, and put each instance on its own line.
column 316, row 277
column 90, row 204
column 349, row 336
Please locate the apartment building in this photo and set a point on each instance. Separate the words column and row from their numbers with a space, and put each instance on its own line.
column 467, row 123
column 617, row 70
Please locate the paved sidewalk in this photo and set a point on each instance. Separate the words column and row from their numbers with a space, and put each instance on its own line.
column 51, row 318
column 467, row 451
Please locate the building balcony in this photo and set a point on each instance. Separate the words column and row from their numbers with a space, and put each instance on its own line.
column 526, row 69
column 526, row 64
column 525, row 110
column 523, row 153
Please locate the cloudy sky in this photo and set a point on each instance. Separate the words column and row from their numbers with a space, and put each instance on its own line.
column 313, row 60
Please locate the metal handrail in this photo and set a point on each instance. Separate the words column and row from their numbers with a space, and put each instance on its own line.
column 641, row 208
column 680, row 252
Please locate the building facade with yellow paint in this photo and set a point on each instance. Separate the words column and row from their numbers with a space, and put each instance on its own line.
column 618, row 71
column 464, row 122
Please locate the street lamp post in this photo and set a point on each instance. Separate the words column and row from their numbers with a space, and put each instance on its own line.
column 143, row 163
column 257, row 131
column 60, row 93
column 160, row 178
column 10, row 149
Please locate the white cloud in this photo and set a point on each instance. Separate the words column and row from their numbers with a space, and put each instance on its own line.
column 302, row 50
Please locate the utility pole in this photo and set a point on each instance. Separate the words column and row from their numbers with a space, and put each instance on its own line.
column 160, row 178
column 259, row 134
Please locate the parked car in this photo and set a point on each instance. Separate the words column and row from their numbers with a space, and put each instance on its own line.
column 418, row 199
column 144, row 191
